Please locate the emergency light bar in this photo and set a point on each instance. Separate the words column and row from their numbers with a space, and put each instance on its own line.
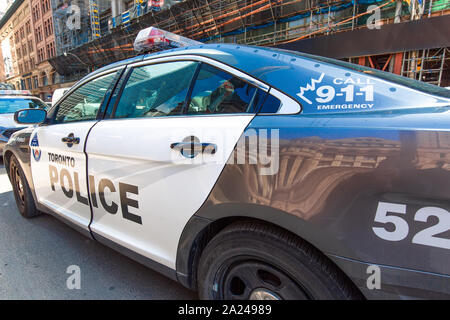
column 152, row 39
column 15, row 92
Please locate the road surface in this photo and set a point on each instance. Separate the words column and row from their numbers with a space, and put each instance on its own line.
column 35, row 254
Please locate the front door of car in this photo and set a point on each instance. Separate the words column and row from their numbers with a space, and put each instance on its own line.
column 58, row 161
column 154, row 163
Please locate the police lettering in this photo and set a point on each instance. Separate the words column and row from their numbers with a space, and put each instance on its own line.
column 59, row 159
column 71, row 186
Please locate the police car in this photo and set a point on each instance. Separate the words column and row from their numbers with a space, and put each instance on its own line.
column 250, row 173
column 11, row 101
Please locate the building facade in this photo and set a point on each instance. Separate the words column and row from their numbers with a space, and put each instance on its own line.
column 44, row 35
column 27, row 40
column 18, row 50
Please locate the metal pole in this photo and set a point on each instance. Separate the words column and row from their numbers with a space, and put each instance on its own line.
column 422, row 65
column 398, row 11
column 353, row 15
column 442, row 67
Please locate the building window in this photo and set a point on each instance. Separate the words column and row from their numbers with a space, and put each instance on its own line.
column 24, row 50
column 52, row 50
column 36, row 12
column 22, row 33
column 48, row 27
column 45, row 6
column 16, row 37
column 38, row 34
column 44, row 79
column 18, row 54
column 35, row 82
column 42, row 54
column 30, row 46
column 28, row 27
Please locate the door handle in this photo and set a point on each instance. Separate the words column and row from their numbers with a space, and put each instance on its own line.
column 71, row 140
column 191, row 149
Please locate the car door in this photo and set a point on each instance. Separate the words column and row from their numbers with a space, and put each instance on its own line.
column 58, row 161
column 154, row 163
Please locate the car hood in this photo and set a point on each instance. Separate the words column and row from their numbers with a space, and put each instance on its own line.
column 7, row 121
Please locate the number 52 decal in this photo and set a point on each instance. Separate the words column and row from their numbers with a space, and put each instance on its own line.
column 425, row 237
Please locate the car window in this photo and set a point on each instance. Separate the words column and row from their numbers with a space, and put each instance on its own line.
column 270, row 104
column 216, row 91
column 156, row 90
column 84, row 102
column 11, row 105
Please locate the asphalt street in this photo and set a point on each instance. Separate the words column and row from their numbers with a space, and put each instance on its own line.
column 35, row 254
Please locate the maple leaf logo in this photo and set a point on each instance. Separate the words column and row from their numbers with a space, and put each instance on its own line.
column 310, row 87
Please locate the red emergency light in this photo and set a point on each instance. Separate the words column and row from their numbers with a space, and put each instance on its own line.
column 153, row 39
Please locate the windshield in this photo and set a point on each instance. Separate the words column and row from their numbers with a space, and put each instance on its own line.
column 11, row 105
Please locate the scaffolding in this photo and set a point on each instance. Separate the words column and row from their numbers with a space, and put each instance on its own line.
column 76, row 22
column 426, row 65
column 95, row 19
column 253, row 22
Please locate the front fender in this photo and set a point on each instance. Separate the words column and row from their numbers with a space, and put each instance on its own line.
column 19, row 146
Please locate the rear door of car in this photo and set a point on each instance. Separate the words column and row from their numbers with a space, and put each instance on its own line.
column 154, row 162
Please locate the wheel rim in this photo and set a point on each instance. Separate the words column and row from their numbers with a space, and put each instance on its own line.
column 18, row 185
column 257, row 280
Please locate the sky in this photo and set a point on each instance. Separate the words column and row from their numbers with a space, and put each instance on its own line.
column 3, row 5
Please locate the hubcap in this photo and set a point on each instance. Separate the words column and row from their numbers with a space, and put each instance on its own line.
column 257, row 280
column 263, row 294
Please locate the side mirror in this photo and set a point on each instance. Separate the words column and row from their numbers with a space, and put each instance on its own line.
column 30, row 116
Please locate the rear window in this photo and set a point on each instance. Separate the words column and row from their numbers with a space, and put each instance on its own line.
column 11, row 105
column 218, row 92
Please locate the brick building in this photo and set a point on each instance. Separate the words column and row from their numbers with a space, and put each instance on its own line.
column 28, row 41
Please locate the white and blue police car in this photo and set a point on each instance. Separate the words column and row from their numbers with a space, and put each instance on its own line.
column 248, row 172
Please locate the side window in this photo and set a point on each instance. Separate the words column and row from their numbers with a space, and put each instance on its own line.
column 156, row 90
column 84, row 102
column 216, row 91
column 270, row 104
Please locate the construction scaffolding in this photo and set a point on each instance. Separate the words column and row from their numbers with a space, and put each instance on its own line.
column 95, row 18
column 254, row 22
column 427, row 65
column 76, row 22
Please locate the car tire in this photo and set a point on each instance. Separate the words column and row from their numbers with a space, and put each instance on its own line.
column 22, row 192
column 255, row 261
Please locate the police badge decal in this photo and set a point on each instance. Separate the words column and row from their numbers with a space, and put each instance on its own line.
column 35, row 148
